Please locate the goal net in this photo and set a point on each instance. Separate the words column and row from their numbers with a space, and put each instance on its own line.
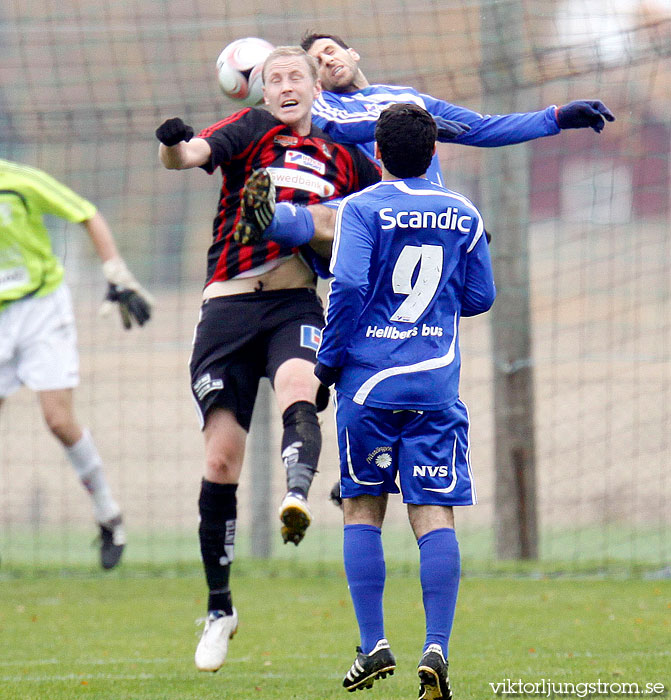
column 86, row 82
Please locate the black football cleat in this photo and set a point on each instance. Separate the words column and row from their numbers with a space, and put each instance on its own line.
column 367, row 668
column 112, row 542
column 434, row 683
column 257, row 208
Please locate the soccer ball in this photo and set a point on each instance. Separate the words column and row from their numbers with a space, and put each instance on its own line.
column 239, row 69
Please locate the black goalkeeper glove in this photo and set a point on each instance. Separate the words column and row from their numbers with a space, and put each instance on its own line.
column 132, row 306
column 583, row 113
column 123, row 289
column 172, row 131
column 449, row 130
column 327, row 375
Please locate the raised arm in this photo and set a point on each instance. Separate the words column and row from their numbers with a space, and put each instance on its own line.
column 179, row 150
column 491, row 130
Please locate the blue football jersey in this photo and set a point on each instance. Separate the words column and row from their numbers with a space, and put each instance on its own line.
column 351, row 117
column 409, row 259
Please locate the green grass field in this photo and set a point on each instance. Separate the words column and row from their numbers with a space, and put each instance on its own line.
column 129, row 636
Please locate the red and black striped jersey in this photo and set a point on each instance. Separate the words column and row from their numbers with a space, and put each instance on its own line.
column 305, row 170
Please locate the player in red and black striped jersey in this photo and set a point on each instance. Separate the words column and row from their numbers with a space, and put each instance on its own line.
column 261, row 315
column 305, row 170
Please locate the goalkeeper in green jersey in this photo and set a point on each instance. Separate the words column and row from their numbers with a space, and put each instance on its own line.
column 38, row 338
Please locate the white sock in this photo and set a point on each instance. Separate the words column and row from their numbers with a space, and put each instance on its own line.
column 89, row 467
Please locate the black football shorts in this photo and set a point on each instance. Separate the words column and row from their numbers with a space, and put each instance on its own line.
column 244, row 337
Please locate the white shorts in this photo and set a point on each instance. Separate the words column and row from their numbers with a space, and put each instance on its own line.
column 38, row 344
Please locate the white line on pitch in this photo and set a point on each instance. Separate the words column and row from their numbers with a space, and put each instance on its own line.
column 78, row 677
column 91, row 662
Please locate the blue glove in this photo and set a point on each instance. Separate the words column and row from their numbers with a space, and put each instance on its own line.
column 449, row 130
column 327, row 375
column 582, row 113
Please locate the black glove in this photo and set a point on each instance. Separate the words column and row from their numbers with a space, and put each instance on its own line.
column 172, row 131
column 327, row 375
column 131, row 305
column 449, row 130
column 582, row 113
column 334, row 495
column 322, row 399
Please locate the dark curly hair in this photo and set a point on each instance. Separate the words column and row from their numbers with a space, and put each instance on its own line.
column 310, row 37
column 406, row 136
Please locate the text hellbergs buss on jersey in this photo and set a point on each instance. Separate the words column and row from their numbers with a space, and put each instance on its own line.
column 392, row 333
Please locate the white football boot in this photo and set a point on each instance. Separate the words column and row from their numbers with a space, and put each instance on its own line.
column 213, row 646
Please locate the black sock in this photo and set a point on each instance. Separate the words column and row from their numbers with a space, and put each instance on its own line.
column 301, row 445
column 218, row 511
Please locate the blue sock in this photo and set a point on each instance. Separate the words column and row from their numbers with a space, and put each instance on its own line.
column 291, row 225
column 366, row 573
column 439, row 570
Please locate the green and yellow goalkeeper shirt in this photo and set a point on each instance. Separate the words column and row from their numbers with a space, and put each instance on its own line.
column 28, row 265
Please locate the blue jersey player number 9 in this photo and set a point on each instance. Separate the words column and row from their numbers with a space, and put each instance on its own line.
column 419, row 295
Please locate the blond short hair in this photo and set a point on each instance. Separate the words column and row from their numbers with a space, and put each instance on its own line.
column 288, row 52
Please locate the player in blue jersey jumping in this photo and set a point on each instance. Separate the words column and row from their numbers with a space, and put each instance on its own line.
column 410, row 258
column 349, row 106
column 348, row 109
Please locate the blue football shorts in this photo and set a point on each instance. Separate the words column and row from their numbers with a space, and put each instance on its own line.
column 426, row 452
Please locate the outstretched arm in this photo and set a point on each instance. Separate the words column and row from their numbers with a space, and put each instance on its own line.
column 359, row 127
column 491, row 130
column 506, row 129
